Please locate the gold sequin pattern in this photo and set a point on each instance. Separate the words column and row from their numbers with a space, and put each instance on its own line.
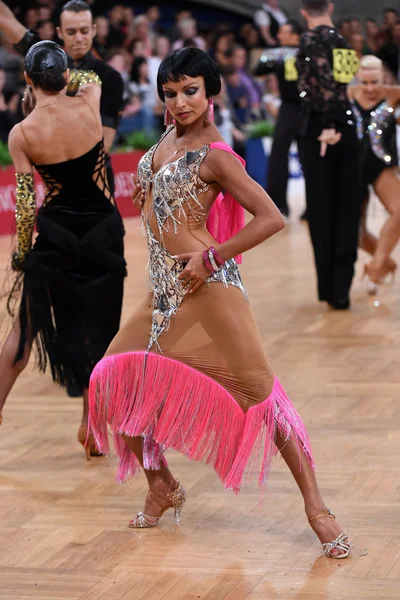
column 25, row 213
column 77, row 78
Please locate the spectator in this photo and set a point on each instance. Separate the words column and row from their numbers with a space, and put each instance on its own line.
column 162, row 48
column 251, row 37
column 237, row 93
column 174, row 33
column 8, row 109
column 344, row 28
column 390, row 52
column 268, row 20
column 46, row 30
column 153, row 16
column 229, row 126
column 188, row 31
column 390, row 18
column 272, row 100
column 223, row 49
column 116, row 18
column 44, row 13
column 100, row 42
column 141, row 33
column 356, row 27
column 239, row 61
column 31, row 18
column 358, row 44
column 141, row 85
column 371, row 36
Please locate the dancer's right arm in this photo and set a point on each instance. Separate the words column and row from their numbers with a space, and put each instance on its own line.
column 25, row 197
column 13, row 30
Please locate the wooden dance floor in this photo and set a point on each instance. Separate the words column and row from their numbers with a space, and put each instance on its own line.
column 63, row 520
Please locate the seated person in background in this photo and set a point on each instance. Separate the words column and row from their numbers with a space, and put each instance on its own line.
column 237, row 93
column 46, row 30
column 188, row 31
column 390, row 53
column 239, row 59
column 272, row 99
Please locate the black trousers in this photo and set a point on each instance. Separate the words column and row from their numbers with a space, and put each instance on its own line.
column 334, row 196
column 286, row 131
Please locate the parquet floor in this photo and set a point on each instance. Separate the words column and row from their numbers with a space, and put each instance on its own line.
column 63, row 531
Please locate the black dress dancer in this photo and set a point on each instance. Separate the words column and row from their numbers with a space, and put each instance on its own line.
column 71, row 280
column 375, row 108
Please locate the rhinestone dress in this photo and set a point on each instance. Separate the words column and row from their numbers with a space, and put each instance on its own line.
column 189, row 371
column 376, row 131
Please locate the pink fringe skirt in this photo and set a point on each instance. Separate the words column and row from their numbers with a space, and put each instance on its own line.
column 174, row 406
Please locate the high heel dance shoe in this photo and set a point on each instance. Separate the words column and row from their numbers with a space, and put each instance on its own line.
column 372, row 286
column 175, row 500
column 89, row 447
column 340, row 543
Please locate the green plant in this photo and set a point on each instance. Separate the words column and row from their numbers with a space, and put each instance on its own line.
column 261, row 129
column 139, row 140
column 5, row 158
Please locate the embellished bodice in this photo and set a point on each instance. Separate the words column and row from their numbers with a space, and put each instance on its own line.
column 376, row 129
column 175, row 191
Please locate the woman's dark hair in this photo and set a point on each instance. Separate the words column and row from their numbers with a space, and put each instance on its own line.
column 135, row 72
column 189, row 62
column 46, row 63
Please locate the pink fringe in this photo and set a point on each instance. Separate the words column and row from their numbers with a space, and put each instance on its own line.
column 174, row 406
column 226, row 217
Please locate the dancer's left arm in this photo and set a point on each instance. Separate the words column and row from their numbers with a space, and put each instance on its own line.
column 224, row 169
column 25, row 198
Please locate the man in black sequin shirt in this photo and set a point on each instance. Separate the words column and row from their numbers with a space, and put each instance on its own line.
column 329, row 151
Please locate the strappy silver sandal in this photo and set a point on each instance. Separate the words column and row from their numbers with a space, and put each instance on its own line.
column 341, row 542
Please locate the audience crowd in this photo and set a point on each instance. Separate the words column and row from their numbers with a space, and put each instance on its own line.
column 135, row 43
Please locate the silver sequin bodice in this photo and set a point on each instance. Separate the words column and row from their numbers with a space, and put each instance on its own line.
column 176, row 190
column 377, row 125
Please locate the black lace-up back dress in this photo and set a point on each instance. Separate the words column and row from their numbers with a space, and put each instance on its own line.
column 72, row 285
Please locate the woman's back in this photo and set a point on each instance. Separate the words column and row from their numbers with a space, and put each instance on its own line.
column 60, row 130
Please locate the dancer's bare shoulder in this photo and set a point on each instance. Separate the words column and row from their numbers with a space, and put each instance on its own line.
column 18, row 151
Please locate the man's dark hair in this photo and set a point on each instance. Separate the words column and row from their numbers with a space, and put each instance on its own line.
column 316, row 7
column 76, row 6
column 390, row 10
column 297, row 28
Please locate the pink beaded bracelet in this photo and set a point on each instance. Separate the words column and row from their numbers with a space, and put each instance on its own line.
column 207, row 263
column 218, row 259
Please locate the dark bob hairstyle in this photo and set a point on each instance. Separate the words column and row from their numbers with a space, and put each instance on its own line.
column 189, row 62
column 46, row 63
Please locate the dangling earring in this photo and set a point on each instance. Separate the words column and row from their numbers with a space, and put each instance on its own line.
column 210, row 111
column 168, row 120
column 30, row 88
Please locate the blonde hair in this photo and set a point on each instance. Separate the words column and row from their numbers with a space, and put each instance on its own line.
column 370, row 63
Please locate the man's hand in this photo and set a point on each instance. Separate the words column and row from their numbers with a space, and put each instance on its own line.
column 328, row 137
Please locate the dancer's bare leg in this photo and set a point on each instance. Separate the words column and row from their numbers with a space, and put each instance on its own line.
column 85, row 414
column 326, row 529
column 8, row 370
column 161, row 482
column 387, row 189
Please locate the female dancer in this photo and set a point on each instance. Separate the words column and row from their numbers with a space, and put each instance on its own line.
column 374, row 107
column 71, row 281
column 189, row 371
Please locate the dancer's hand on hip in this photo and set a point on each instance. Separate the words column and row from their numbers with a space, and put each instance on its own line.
column 195, row 273
column 138, row 194
column 328, row 137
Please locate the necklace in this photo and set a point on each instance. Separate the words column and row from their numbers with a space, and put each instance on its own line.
column 186, row 145
column 49, row 104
